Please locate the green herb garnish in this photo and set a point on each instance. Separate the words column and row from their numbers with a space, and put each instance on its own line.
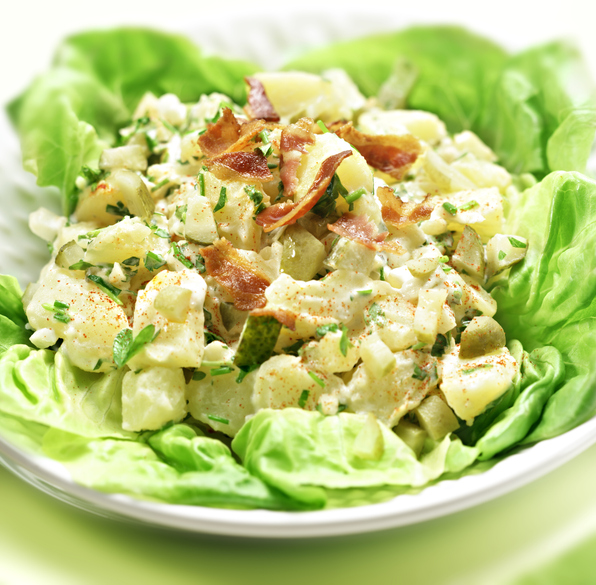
column 303, row 398
column 221, row 202
column 153, row 261
column 419, row 374
column 106, row 287
column 517, row 243
column 317, row 379
column 219, row 419
column 469, row 205
column 126, row 346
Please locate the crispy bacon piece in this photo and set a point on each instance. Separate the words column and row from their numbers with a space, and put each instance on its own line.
column 292, row 146
column 316, row 191
column 221, row 135
column 240, row 166
column 259, row 105
column 274, row 213
column 243, row 280
column 399, row 214
column 364, row 231
column 391, row 154
column 358, row 228
column 286, row 318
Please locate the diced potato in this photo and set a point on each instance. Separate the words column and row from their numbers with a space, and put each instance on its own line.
column 133, row 192
column 483, row 335
column 369, row 442
column 152, row 398
column 428, row 313
column 376, row 356
column 285, row 381
column 116, row 243
column 177, row 344
column 467, row 141
column 93, row 204
column 470, row 385
column 482, row 173
column 130, row 157
column 476, row 297
column 391, row 396
column 412, row 435
column 469, row 254
column 94, row 319
column 435, row 417
column 302, row 255
column 45, row 224
column 173, row 303
column 200, row 224
column 348, row 254
column 501, row 253
column 424, row 125
column 447, row 178
column 327, row 353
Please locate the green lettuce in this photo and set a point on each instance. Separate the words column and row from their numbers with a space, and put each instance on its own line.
column 535, row 109
column 71, row 113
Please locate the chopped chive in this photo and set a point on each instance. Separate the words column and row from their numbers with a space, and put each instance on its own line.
column 160, row 185
column 202, row 184
column 107, row 288
column 169, row 126
column 293, row 349
column 419, row 345
column 382, row 273
column 303, row 398
column 476, row 368
column 444, row 259
column 517, row 243
column 198, row 375
column 317, row 379
column 341, row 407
column 180, row 212
column 62, row 317
column 450, row 208
column 177, row 253
column 344, row 342
column 221, row 202
column 264, row 136
column 322, row 330
column 322, row 126
column 219, row 419
column 502, row 255
column 365, row 292
column 80, row 265
column 354, row 196
column 97, row 365
column 469, row 205
column 222, row 370
column 61, row 305
column 153, row 261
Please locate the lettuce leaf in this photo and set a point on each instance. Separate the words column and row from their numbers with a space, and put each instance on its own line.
column 12, row 314
column 537, row 109
column 71, row 113
column 302, row 453
column 550, row 298
column 176, row 465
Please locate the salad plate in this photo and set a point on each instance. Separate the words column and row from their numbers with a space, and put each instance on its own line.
column 23, row 255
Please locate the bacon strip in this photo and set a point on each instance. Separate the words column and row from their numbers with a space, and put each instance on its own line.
column 358, row 228
column 316, row 191
column 292, row 146
column 399, row 214
column 389, row 153
column 220, row 136
column 274, row 213
column 244, row 282
column 259, row 105
column 242, row 166
column 364, row 231
column 286, row 318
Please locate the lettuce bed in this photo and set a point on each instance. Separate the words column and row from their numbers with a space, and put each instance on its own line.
column 534, row 109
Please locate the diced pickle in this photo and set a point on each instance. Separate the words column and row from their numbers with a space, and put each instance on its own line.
column 134, row 192
column 302, row 254
column 258, row 340
column 435, row 417
column 173, row 302
column 369, row 442
column 483, row 335
column 377, row 357
column 69, row 254
column 422, row 267
column 412, row 435
column 469, row 254
column 231, row 317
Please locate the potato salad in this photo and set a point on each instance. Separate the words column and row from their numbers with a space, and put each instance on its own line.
column 313, row 249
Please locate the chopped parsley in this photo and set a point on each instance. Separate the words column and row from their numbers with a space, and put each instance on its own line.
column 419, row 374
column 344, row 342
column 119, row 209
column 81, row 265
column 180, row 212
column 132, row 261
column 322, row 126
column 517, row 243
column 177, row 253
column 375, row 315
column 256, row 197
column 126, row 346
column 502, row 255
column 198, row 375
column 153, row 261
column 326, row 204
column 294, row 348
column 225, row 369
column 244, row 371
